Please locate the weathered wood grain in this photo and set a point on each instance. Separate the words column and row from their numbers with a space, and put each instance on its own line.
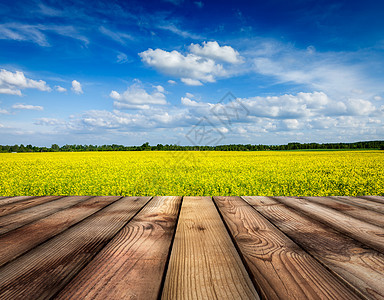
column 23, row 217
column 279, row 267
column 26, row 203
column 9, row 200
column 363, row 214
column 45, row 270
column 379, row 199
column 360, row 202
column 19, row 241
column 132, row 265
column 357, row 265
column 364, row 232
column 204, row 263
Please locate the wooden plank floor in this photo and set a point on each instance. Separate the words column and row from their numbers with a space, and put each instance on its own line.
column 167, row 247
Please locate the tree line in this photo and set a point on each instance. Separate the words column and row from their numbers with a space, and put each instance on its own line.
column 166, row 147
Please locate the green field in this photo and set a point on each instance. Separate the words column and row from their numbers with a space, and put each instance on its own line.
column 295, row 173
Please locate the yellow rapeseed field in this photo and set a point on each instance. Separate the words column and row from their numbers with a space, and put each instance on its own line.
column 295, row 173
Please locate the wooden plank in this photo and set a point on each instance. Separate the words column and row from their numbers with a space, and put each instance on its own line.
column 204, row 263
column 379, row 199
column 45, row 270
column 366, row 233
column 23, row 217
column 363, row 214
column 360, row 202
column 357, row 265
column 20, row 205
column 132, row 265
column 19, row 241
column 278, row 266
column 9, row 200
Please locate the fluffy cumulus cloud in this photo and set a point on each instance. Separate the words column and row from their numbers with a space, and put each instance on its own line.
column 278, row 119
column 215, row 51
column 136, row 97
column 287, row 106
column 76, row 87
column 202, row 64
column 176, row 64
column 359, row 107
column 27, row 107
column 188, row 102
column 12, row 83
column 307, row 105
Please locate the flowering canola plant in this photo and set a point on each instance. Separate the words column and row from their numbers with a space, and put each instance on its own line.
column 195, row 173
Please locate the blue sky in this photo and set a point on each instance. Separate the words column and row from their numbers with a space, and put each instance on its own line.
column 191, row 72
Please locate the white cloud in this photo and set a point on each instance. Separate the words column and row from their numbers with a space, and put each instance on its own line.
column 160, row 89
column 119, row 120
column 20, row 32
column 12, row 83
column 10, row 91
column 4, row 111
column 188, row 102
column 216, row 52
column 76, row 87
column 60, row 89
column 287, row 106
column 291, row 124
column 336, row 74
column 190, row 81
column 27, row 107
column 136, row 97
column 122, row 58
column 172, row 81
column 357, row 91
column 311, row 49
column 223, row 130
column 119, row 37
column 185, row 34
column 49, row 11
column 323, row 123
column 36, row 33
column 198, row 66
column 377, row 98
column 49, row 122
column 306, row 106
column 359, row 107
column 176, row 64
column 189, row 95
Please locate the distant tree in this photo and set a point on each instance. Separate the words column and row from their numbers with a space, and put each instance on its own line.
column 14, row 148
column 145, row 146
